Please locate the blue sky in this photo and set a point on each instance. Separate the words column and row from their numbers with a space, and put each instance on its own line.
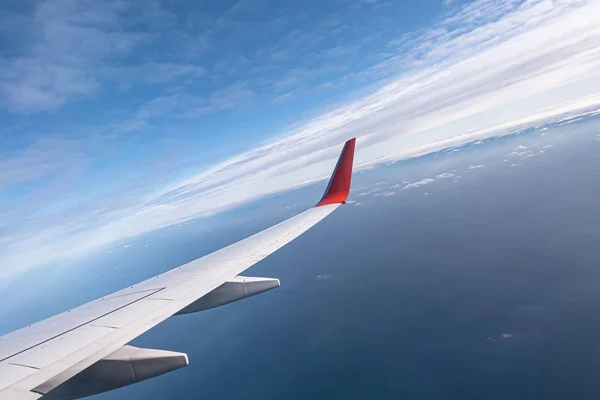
column 120, row 117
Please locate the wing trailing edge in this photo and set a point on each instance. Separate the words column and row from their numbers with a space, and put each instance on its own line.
column 339, row 184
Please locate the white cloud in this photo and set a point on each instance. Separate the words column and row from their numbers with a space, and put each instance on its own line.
column 518, row 153
column 503, row 336
column 46, row 156
column 420, row 183
column 67, row 48
column 476, row 166
column 163, row 105
column 445, row 175
column 386, row 193
column 369, row 191
column 524, row 152
column 491, row 67
column 52, row 71
column 153, row 72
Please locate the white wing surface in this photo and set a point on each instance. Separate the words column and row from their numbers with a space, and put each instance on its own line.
column 85, row 350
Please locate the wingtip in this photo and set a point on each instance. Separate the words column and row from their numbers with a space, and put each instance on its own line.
column 339, row 184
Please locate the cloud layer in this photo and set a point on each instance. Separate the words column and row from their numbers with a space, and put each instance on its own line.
column 482, row 69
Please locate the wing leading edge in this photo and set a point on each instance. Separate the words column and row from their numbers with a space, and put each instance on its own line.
column 52, row 358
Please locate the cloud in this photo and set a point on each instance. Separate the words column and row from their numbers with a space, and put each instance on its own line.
column 486, row 68
column 174, row 104
column 385, row 194
column 153, row 73
column 420, row 183
column 476, row 166
column 368, row 192
column 67, row 48
column 524, row 152
column 30, row 84
column 55, row 67
column 323, row 277
column 47, row 156
column 517, row 153
column 503, row 336
column 445, row 175
column 180, row 105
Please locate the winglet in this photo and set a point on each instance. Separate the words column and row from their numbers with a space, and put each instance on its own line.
column 339, row 184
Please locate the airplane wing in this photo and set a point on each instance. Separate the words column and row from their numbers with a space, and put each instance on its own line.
column 85, row 351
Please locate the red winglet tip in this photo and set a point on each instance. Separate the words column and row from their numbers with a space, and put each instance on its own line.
column 339, row 184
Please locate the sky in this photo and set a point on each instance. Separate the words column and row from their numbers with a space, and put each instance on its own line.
column 122, row 117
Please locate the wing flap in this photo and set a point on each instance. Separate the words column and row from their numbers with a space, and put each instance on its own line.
column 12, row 373
column 60, row 347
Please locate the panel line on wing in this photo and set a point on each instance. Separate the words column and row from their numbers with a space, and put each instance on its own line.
column 116, row 296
